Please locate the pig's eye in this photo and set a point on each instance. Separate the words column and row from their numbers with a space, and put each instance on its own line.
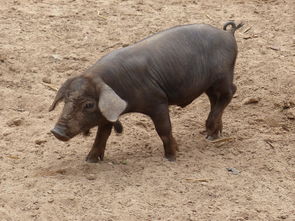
column 89, row 106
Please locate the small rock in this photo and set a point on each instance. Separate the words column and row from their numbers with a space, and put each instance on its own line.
column 272, row 120
column 285, row 127
column 90, row 177
column 35, row 70
column 61, row 171
column 288, row 104
column 12, row 69
column 275, row 48
column 283, row 217
column 56, row 57
column 59, row 157
column 15, row 122
column 250, row 100
column 6, row 133
column 40, row 141
column 262, row 51
column 46, row 80
column 233, row 171
column 291, row 113
column 51, row 200
column 72, row 57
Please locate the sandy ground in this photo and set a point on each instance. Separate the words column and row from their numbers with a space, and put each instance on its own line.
column 42, row 178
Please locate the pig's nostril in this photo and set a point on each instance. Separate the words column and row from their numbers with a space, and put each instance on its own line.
column 59, row 133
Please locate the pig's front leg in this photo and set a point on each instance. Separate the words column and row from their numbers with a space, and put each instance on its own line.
column 161, row 119
column 97, row 151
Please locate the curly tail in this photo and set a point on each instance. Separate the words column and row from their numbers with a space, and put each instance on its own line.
column 233, row 25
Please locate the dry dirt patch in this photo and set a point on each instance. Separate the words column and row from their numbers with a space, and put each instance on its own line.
column 44, row 179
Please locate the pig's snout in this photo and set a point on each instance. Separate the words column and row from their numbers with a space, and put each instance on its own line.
column 59, row 132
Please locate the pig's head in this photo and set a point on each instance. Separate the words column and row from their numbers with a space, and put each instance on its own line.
column 86, row 104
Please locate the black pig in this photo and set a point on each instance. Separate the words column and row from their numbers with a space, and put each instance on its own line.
column 172, row 67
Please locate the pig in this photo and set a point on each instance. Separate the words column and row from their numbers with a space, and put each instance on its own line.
column 172, row 67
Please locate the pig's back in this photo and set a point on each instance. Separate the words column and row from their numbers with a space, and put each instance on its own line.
column 182, row 61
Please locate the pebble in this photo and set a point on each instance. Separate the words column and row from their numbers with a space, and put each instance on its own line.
column 34, row 70
column 233, row 171
column 250, row 100
column 57, row 57
column 6, row 133
column 15, row 122
column 287, row 104
column 2, row 59
column 46, row 80
column 59, row 157
column 40, row 141
column 283, row 217
column 90, row 177
column 291, row 114
column 275, row 48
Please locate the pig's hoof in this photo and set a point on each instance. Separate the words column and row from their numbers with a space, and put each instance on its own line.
column 92, row 159
column 211, row 138
column 171, row 158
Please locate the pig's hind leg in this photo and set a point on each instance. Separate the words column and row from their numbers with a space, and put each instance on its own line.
column 220, row 95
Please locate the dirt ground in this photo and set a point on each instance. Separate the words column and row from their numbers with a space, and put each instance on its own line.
column 250, row 176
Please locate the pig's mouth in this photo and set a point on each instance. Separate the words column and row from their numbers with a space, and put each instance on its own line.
column 58, row 132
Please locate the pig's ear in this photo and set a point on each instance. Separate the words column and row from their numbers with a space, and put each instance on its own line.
column 110, row 104
column 60, row 94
